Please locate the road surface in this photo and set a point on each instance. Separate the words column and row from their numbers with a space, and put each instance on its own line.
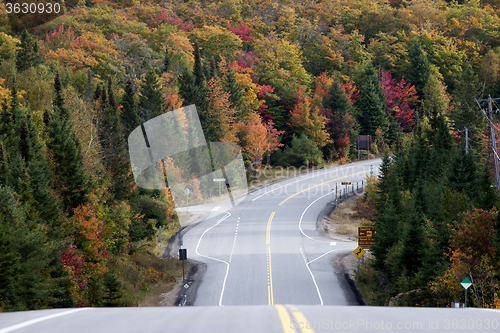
column 264, row 255
column 267, row 251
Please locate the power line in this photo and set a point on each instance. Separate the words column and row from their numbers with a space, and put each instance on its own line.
column 492, row 130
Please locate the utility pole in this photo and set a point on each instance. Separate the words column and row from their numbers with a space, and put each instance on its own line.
column 492, row 130
column 493, row 141
column 466, row 130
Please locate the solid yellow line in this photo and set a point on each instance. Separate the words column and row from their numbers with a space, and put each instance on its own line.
column 317, row 186
column 305, row 326
column 286, row 321
column 270, row 294
column 271, row 279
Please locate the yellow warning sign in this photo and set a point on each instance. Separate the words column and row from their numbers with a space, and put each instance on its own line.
column 359, row 252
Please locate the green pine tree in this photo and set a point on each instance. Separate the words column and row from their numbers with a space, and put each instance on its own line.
column 198, row 71
column 236, row 97
column 9, row 262
column 28, row 54
column 466, row 114
column 338, row 109
column 419, row 69
column 151, row 103
column 166, row 61
column 371, row 114
column 65, row 148
column 114, row 147
column 112, row 291
column 129, row 115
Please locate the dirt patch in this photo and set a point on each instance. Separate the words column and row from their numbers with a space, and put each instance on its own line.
column 345, row 264
column 340, row 222
column 185, row 296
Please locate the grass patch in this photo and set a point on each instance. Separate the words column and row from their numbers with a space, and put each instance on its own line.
column 145, row 276
column 348, row 216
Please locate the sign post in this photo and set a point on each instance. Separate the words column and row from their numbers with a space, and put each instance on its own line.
column 219, row 180
column 183, row 257
column 359, row 252
column 466, row 284
column 187, row 202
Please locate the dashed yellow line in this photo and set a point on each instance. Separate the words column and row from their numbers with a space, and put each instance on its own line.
column 281, row 203
column 270, row 294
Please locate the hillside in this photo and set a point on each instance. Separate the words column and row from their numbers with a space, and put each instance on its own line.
column 290, row 82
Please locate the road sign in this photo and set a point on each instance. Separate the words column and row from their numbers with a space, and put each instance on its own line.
column 365, row 237
column 186, row 191
column 359, row 252
column 466, row 283
column 182, row 254
column 219, row 179
column 346, row 183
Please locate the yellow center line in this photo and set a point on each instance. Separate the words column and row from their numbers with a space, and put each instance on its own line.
column 281, row 203
column 270, row 294
column 286, row 321
column 304, row 325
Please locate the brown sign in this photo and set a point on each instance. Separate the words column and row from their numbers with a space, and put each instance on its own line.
column 365, row 237
column 346, row 183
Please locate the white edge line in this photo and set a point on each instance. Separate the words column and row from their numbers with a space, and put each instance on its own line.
column 37, row 320
column 225, row 262
column 305, row 210
column 313, row 175
column 314, row 280
column 324, row 254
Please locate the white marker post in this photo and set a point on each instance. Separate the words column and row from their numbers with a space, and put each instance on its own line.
column 466, row 284
column 187, row 202
column 219, row 180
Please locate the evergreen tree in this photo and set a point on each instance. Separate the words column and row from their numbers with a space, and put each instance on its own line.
column 46, row 202
column 419, row 69
column 11, row 119
column 388, row 211
column 199, row 75
column 151, row 103
column 10, row 266
column 112, row 288
column 28, row 54
column 65, row 148
column 114, row 146
column 413, row 239
column 466, row 114
column 129, row 115
column 166, row 61
column 338, row 111
column 441, row 143
column 371, row 111
column 236, row 97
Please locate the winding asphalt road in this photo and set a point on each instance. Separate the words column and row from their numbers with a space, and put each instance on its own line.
column 264, row 255
column 266, row 250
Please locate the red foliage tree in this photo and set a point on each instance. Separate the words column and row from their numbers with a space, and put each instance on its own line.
column 399, row 100
column 243, row 32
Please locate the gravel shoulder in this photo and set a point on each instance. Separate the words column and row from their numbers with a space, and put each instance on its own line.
column 334, row 226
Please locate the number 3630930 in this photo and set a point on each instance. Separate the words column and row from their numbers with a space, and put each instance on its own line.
column 32, row 8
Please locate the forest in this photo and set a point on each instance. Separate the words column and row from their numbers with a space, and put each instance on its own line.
column 291, row 83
